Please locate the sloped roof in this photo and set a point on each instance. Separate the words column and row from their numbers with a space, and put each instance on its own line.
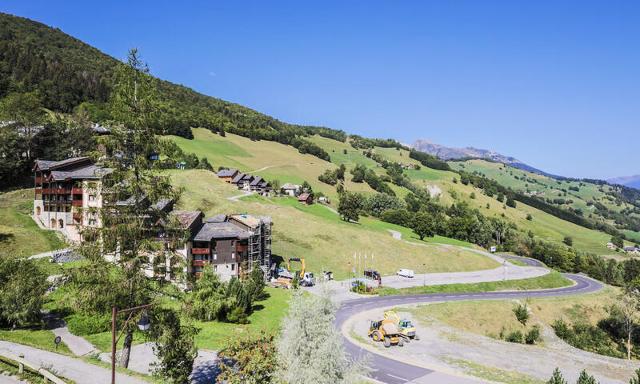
column 238, row 177
column 88, row 172
column 225, row 230
column 248, row 220
column 186, row 218
column 256, row 181
column 221, row 218
column 227, row 172
column 290, row 186
column 303, row 197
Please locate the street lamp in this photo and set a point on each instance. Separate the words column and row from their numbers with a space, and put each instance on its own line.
column 143, row 324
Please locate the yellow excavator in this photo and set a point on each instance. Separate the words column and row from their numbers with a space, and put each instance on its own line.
column 285, row 278
column 405, row 326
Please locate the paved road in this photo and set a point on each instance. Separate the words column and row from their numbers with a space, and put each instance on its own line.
column 396, row 372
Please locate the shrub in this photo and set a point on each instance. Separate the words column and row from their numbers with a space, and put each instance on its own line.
column 83, row 324
column 533, row 336
column 515, row 337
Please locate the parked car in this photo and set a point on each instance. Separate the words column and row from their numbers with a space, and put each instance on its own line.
column 405, row 273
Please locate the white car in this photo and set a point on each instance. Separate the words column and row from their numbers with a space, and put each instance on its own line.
column 405, row 273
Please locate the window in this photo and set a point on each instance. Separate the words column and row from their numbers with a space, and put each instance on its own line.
column 233, row 255
column 215, row 268
column 233, row 267
column 215, row 256
column 92, row 197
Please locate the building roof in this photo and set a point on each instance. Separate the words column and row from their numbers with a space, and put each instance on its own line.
column 221, row 218
column 186, row 218
column 237, row 178
column 225, row 230
column 290, row 186
column 227, row 172
column 256, row 181
column 87, row 172
column 49, row 165
column 304, row 197
column 248, row 220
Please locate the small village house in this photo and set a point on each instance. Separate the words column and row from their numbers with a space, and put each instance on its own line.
column 228, row 174
column 305, row 198
column 290, row 189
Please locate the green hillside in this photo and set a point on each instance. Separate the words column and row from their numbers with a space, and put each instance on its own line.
column 322, row 238
column 600, row 202
column 276, row 161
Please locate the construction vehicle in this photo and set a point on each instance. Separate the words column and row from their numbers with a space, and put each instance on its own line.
column 387, row 331
column 405, row 326
column 306, row 279
column 286, row 278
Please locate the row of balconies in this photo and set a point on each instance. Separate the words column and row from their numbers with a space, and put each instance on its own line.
column 59, row 191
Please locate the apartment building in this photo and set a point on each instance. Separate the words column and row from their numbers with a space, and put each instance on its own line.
column 67, row 195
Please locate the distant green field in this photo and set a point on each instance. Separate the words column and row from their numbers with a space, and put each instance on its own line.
column 19, row 234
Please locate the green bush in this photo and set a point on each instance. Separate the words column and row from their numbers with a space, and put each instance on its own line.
column 515, row 337
column 533, row 336
column 81, row 324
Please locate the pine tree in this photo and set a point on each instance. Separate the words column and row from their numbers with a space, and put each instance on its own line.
column 586, row 378
column 310, row 349
column 132, row 216
column 557, row 378
column 636, row 379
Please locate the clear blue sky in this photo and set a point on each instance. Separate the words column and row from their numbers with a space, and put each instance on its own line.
column 553, row 83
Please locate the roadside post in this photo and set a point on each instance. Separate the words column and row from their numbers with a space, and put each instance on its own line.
column 57, row 341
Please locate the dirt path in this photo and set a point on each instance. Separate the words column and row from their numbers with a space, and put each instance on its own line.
column 238, row 197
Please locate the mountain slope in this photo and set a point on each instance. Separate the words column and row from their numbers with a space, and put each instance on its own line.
column 628, row 181
column 450, row 153
column 68, row 73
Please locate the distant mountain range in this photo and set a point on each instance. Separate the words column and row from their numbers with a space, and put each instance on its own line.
column 629, row 181
column 450, row 153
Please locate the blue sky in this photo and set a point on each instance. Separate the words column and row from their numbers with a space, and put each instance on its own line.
column 553, row 83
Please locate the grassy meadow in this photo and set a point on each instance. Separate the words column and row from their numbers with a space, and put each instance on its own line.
column 19, row 234
column 489, row 317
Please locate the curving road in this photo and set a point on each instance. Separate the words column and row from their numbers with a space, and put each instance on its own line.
column 393, row 371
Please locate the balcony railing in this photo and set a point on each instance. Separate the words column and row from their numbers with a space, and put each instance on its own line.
column 199, row 263
column 76, row 190
column 57, row 191
column 76, row 203
column 200, row 251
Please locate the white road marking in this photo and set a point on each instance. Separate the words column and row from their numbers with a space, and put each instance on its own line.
column 397, row 377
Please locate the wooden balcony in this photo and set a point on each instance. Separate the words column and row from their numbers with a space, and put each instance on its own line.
column 76, row 190
column 199, row 263
column 198, row 274
column 55, row 191
column 199, row 251
column 76, row 203
column 241, row 248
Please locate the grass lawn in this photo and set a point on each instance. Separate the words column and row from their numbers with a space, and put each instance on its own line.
column 489, row 317
column 214, row 335
column 19, row 234
column 39, row 338
column 493, row 374
column 550, row 280
column 320, row 236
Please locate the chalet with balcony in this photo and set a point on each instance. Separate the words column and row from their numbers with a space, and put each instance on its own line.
column 231, row 246
column 67, row 194
column 228, row 174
